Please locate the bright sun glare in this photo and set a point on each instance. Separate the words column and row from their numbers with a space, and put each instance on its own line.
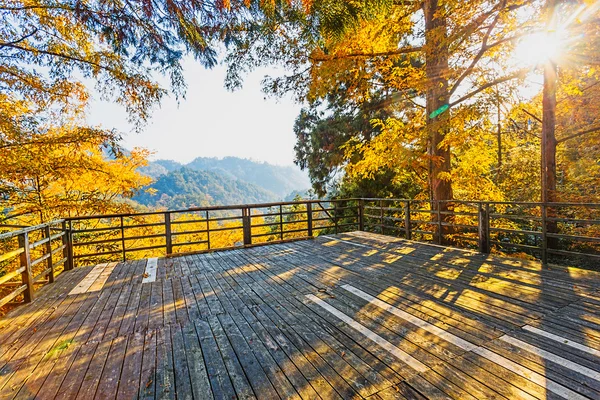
column 537, row 48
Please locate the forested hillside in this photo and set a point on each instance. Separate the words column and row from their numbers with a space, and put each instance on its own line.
column 279, row 180
column 186, row 187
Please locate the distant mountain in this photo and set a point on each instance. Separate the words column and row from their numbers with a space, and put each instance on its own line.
column 185, row 187
column 280, row 180
column 154, row 169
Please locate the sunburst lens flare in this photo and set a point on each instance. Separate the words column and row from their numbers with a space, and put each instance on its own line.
column 538, row 48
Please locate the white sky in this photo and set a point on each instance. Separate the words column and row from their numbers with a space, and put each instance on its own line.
column 211, row 121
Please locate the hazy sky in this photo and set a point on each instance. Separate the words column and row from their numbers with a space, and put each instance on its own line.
column 212, row 121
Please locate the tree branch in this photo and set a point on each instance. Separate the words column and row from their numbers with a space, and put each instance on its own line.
column 585, row 132
column 9, row 44
column 404, row 50
column 477, row 57
column 514, row 75
column 531, row 115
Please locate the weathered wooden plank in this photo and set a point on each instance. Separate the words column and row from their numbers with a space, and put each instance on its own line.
column 180, row 363
column 148, row 378
column 196, row 364
column 258, row 379
column 218, row 375
column 129, row 384
column 165, row 375
column 89, row 384
column 109, row 381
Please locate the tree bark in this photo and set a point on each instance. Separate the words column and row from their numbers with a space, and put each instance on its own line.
column 437, row 103
column 548, row 141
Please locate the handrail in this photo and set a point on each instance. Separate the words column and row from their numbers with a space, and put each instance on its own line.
column 31, row 258
column 549, row 231
column 8, row 235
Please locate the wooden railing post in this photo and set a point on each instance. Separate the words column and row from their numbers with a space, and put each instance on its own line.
column 309, row 218
column 49, row 261
column 361, row 215
column 280, row 222
column 407, row 220
column 440, row 227
column 25, row 262
column 123, row 250
column 67, row 240
column 483, row 219
column 335, row 217
column 381, row 217
column 168, row 236
column 544, row 212
column 246, row 226
column 207, row 230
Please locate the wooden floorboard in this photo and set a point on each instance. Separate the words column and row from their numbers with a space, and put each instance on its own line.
column 354, row 315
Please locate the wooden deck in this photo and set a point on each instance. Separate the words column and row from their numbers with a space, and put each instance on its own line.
column 352, row 316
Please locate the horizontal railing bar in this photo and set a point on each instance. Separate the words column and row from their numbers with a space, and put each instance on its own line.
column 57, row 263
column 39, row 260
column 190, row 243
column 9, row 235
column 13, row 294
column 574, row 221
column 42, row 274
column 509, row 244
column 463, row 226
column 573, row 253
column 7, row 277
column 465, row 238
column 155, row 235
column 104, row 253
column 94, row 242
column 515, row 231
column 514, row 216
column 574, row 237
column 422, row 232
column 190, row 232
column 144, row 248
column 11, row 254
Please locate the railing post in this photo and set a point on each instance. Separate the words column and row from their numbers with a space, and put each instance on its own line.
column 280, row 222
column 440, row 227
column 246, row 226
column 544, row 234
column 309, row 220
column 361, row 215
column 407, row 219
column 381, row 217
column 168, row 236
column 483, row 216
column 123, row 251
column 207, row 230
column 335, row 217
column 67, row 241
column 25, row 262
column 49, row 262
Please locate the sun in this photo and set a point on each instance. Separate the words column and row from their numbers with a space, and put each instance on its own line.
column 538, row 48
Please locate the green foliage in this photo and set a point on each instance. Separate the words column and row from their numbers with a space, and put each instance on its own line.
column 186, row 188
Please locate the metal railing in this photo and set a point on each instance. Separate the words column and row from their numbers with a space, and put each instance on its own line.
column 547, row 231
column 33, row 256
column 102, row 238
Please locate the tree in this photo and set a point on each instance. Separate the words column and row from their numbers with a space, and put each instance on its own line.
column 437, row 56
column 50, row 50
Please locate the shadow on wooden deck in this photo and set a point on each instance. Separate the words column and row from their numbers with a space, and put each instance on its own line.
column 354, row 315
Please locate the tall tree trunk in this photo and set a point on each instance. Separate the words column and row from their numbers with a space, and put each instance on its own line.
column 548, row 142
column 437, row 99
